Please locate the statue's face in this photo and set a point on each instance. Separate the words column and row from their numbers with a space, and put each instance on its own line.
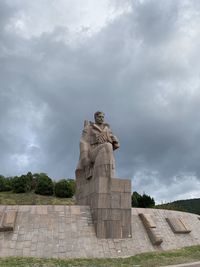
column 99, row 118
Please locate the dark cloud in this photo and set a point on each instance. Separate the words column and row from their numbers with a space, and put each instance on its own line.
column 6, row 13
column 140, row 69
column 156, row 21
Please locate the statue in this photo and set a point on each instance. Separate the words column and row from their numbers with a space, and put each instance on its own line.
column 96, row 149
column 108, row 197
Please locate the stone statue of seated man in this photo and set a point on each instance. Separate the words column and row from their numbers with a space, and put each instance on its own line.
column 96, row 149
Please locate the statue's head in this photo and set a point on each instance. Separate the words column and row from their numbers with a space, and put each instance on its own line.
column 99, row 117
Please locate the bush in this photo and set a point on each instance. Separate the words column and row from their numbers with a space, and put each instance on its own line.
column 65, row 188
column 44, row 185
column 72, row 185
column 5, row 184
column 21, row 184
column 8, row 184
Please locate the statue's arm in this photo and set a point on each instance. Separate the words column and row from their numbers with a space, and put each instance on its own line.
column 85, row 147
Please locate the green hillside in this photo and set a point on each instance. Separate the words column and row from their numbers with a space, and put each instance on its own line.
column 188, row 205
column 30, row 198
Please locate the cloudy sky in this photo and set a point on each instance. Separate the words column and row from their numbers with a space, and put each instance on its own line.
column 138, row 61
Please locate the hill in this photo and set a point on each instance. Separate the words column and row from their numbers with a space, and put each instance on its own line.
column 9, row 198
column 187, row 205
column 30, row 198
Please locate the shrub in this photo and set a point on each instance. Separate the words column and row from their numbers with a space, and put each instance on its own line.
column 65, row 188
column 44, row 185
column 72, row 185
column 8, row 184
column 21, row 184
column 5, row 184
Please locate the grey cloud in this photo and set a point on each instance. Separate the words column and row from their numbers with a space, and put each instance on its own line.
column 156, row 20
column 6, row 13
column 131, row 70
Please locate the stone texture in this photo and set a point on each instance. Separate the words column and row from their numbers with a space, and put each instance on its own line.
column 178, row 225
column 155, row 238
column 110, row 202
column 148, row 221
column 96, row 149
column 150, row 226
column 68, row 232
column 7, row 220
column 95, row 186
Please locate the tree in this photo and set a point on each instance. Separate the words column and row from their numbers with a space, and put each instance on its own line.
column 146, row 201
column 142, row 201
column 44, row 185
column 135, row 197
column 72, row 185
column 8, row 184
column 30, row 176
column 21, row 184
column 65, row 188
column 5, row 184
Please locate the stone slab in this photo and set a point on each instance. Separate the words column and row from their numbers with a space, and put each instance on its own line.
column 8, row 219
column 102, row 184
column 125, row 200
column 121, row 185
column 110, row 203
column 178, row 225
column 155, row 238
column 150, row 226
column 148, row 221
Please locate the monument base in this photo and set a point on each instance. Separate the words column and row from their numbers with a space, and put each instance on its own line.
column 110, row 203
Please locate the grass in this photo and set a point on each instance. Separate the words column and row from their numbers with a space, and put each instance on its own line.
column 9, row 198
column 152, row 259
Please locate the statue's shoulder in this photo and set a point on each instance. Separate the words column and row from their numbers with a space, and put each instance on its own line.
column 87, row 125
column 107, row 125
column 90, row 124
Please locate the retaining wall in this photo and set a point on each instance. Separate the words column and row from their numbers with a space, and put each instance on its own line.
column 68, row 232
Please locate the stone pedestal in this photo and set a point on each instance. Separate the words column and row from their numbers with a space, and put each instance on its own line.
column 110, row 203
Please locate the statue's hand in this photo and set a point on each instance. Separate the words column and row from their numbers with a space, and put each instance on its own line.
column 115, row 145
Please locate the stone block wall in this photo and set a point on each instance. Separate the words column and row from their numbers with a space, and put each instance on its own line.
column 68, row 232
column 110, row 203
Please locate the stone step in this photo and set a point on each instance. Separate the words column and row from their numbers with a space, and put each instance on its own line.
column 7, row 221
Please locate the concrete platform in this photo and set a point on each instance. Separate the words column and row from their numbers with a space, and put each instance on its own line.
column 68, row 232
